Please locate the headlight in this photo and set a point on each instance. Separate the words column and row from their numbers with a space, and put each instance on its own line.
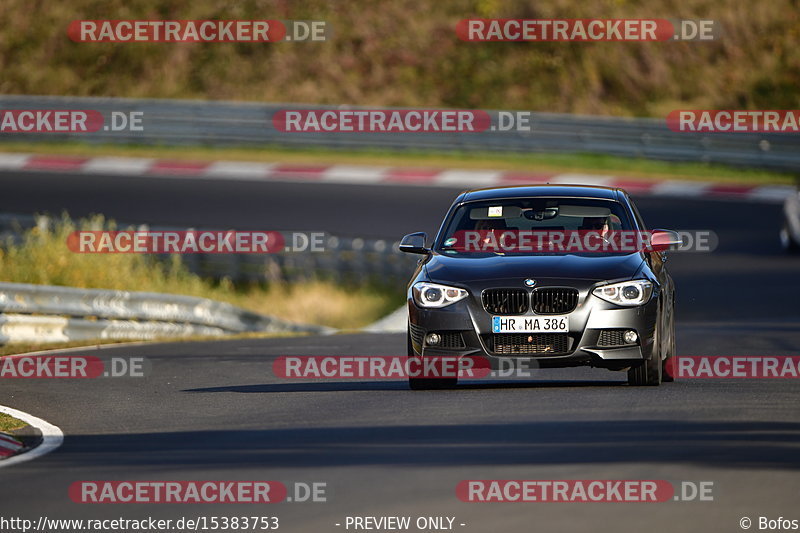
column 634, row 292
column 434, row 295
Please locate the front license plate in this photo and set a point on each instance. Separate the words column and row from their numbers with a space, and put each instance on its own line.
column 530, row 324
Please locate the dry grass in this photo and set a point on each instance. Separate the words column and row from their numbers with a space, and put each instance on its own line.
column 9, row 423
column 43, row 258
column 406, row 53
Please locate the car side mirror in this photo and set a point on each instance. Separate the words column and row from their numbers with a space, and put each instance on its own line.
column 414, row 243
column 664, row 239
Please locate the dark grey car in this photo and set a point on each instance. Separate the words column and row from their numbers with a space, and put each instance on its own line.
column 610, row 308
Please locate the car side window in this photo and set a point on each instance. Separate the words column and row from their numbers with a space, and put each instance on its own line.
column 639, row 219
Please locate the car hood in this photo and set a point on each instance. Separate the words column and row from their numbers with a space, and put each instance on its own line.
column 462, row 268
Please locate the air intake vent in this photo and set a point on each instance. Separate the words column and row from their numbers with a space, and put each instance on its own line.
column 449, row 339
column 612, row 337
column 529, row 344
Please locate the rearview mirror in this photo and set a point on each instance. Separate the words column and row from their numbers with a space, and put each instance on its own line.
column 664, row 239
column 414, row 243
column 545, row 214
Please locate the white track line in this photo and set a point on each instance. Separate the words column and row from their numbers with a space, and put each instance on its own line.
column 354, row 174
column 237, row 170
column 52, row 437
column 468, row 178
column 11, row 161
column 583, row 179
column 117, row 165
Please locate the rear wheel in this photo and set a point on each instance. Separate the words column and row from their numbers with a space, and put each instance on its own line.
column 649, row 372
column 666, row 368
column 427, row 383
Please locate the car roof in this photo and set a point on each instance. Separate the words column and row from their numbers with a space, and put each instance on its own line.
column 567, row 191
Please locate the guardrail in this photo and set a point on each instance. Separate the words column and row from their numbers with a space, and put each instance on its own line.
column 41, row 313
column 44, row 313
column 186, row 122
column 350, row 260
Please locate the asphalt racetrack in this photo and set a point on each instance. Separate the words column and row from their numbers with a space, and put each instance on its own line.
column 215, row 410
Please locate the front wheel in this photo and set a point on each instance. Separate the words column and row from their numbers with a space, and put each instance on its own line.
column 427, row 383
column 649, row 372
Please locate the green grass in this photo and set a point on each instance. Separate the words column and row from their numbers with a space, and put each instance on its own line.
column 547, row 163
column 9, row 423
column 43, row 258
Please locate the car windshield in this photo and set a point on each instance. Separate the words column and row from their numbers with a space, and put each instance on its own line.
column 533, row 225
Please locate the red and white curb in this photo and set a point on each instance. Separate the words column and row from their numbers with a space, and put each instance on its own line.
column 372, row 175
column 8, row 445
column 52, row 437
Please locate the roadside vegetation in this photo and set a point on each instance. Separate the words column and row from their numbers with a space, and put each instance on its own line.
column 42, row 257
column 9, row 423
column 406, row 53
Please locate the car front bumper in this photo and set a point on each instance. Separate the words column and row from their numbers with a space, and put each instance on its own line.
column 471, row 323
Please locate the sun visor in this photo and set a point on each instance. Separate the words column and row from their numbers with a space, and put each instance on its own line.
column 583, row 211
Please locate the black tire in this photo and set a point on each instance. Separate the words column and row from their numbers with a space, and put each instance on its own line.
column 649, row 372
column 787, row 241
column 427, row 383
column 666, row 374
